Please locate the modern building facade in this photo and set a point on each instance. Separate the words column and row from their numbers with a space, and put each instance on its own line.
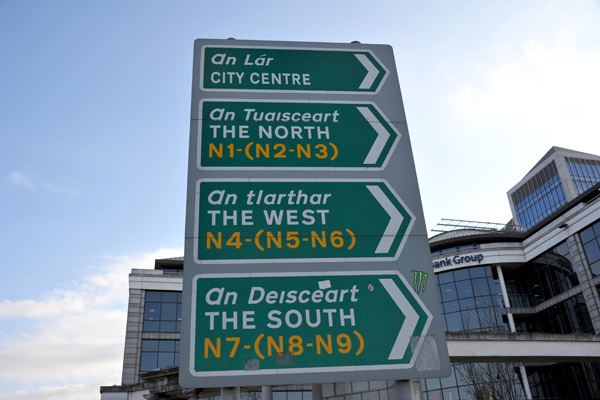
column 538, row 275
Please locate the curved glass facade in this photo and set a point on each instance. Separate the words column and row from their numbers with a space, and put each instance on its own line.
column 585, row 173
column 539, row 196
column 546, row 276
column 590, row 238
column 471, row 300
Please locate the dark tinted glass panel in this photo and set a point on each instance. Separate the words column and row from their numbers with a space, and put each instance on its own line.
column 595, row 267
column 151, row 326
column 159, row 354
column 166, row 360
column 169, row 297
column 454, row 322
column 451, row 306
column 294, row 396
column 448, row 291
column 148, row 362
column 592, row 251
column 464, row 289
column 149, row 345
column 161, row 311
column 166, row 345
column 444, row 277
column 467, row 304
column 152, row 311
column 168, row 311
column 548, row 275
column 477, row 272
column 587, row 234
column 461, row 274
column 485, row 301
column 279, row 396
column 591, row 244
column 168, row 327
column 480, row 287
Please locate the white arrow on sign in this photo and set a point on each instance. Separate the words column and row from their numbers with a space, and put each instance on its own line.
column 395, row 219
column 410, row 322
column 382, row 135
column 372, row 71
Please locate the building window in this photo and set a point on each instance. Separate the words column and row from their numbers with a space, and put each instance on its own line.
column 585, row 173
column 471, row 300
column 544, row 277
column 172, row 271
column 590, row 237
column 475, row 381
column 568, row 316
column 539, row 197
column 162, row 311
column 292, row 395
column 454, row 249
column 159, row 354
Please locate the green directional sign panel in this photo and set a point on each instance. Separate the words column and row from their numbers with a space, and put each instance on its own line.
column 262, row 220
column 253, row 325
column 244, row 68
column 293, row 135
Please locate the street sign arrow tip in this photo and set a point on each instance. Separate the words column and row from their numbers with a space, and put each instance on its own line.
column 372, row 71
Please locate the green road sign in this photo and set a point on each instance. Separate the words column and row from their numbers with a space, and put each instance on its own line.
column 249, row 68
column 253, row 325
column 293, row 135
column 263, row 220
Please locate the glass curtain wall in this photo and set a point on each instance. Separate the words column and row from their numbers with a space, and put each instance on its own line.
column 539, row 197
column 471, row 300
column 162, row 316
column 590, row 238
column 585, row 173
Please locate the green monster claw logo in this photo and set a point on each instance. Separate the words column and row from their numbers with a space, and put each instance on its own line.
column 420, row 281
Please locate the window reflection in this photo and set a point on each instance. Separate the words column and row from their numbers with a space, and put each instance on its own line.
column 590, row 237
column 470, row 300
column 159, row 354
column 162, row 311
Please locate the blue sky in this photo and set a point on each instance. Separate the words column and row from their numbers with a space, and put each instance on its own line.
column 94, row 125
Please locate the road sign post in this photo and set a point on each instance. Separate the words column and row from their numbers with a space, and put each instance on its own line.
column 306, row 253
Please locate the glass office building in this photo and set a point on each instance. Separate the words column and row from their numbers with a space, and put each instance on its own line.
column 559, row 177
column 549, row 271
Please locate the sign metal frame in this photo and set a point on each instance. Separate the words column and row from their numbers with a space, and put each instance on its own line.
column 397, row 171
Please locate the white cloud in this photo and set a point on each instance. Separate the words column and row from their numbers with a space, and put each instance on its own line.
column 28, row 181
column 69, row 191
column 21, row 179
column 87, row 390
column 71, row 336
column 542, row 92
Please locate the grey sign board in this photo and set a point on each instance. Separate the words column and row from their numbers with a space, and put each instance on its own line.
column 303, row 210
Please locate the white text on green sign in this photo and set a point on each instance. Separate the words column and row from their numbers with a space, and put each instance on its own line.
column 260, row 220
column 293, row 135
column 271, row 69
column 317, row 322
